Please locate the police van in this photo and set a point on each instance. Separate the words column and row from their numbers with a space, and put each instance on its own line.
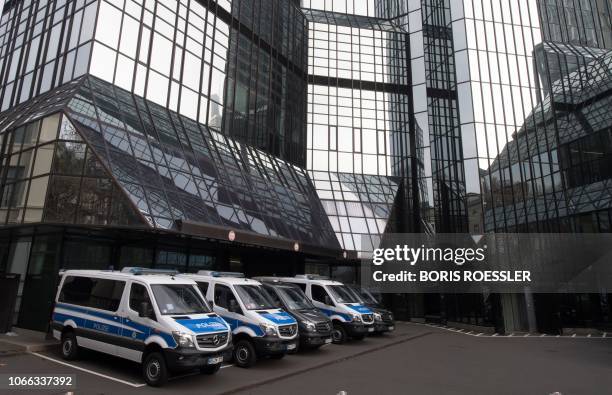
column 152, row 317
column 383, row 318
column 259, row 327
column 349, row 316
column 314, row 327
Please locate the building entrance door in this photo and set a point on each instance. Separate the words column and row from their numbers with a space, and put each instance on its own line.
column 40, row 283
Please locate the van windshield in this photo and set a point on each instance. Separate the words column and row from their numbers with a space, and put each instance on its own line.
column 343, row 294
column 364, row 294
column 294, row 298
column 175, row 299
column 368, row 296
column 254, row 297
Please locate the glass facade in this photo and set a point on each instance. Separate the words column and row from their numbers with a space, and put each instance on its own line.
column 579, row 22
column 568, row 172
column 43, row 44
column 325, row 123
column 119, row 157
column 360, row 121
column 236, row 66
column 358, row 206
column 49, row 175
column 514, row 128
column 356, row 93
column 497, row 89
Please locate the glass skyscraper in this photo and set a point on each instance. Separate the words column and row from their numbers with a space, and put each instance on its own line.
column 516, row 133
column 155, row 133
column 277, row 137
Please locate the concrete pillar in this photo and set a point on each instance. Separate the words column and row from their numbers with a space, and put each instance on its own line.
column 530, row 309
column 513, row 312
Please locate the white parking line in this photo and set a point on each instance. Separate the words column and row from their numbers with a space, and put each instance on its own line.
column 135, row 385
column 513, row 335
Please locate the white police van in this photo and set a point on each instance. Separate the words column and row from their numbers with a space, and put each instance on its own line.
column 349, row 316
column 148, row 316
column 259, row 327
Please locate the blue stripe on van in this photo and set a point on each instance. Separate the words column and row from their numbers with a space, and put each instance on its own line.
column 204, row 325
column 360, row 309
column 280, row 318
column 108, row 328
column 59, row 317
column 329, row 313
column 235, row 324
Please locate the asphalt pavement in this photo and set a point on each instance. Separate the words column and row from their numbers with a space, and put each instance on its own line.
column 417, row 359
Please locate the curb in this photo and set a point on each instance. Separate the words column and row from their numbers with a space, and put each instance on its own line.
column 17, row 349
column 332, row 362
column 11, row 353
column 514, row 335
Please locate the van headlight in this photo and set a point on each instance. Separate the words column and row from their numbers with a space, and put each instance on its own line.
column 269, row 330
column 183, row 339
column 355, row 317
column 310, row 326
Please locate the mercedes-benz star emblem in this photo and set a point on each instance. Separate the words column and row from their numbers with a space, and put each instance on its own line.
column 215, row 340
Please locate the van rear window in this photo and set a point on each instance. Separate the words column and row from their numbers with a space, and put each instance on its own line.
column 98, row 293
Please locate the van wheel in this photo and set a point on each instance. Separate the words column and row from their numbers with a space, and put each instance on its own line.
column 244, row 354
column 210, row 369
column 70, row 347
column 154, row 370
column 338, row 334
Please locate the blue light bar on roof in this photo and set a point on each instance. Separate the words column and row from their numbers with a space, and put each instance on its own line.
column 312, row 276
column 270, row 279
column 213, row 273
column 144, row 270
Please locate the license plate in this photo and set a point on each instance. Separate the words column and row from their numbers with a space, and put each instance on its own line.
column 327, row 341
column 291, row 346
column 391, row 328
column 215, row 360
column 370, row 329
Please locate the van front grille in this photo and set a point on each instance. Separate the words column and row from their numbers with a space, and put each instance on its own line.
column 212, row 340
column 287, row 330
column 387, row 317
column 323, row 327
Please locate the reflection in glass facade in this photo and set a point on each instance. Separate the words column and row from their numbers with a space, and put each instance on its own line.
column 359, row 108
column 49, row 175
column 237, row 66
column 514, row 129
column 358, row 206
column 114, row 147
column 355, row 93
column 316, row 121
column 43, row 44
column 568, row 172
column 496, row 88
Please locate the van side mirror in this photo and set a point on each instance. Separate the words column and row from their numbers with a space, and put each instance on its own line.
column 146, row 311
column 233, row 306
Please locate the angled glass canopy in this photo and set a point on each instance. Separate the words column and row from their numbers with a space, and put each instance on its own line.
column 358, row 206
column 351, row 20
column 172, row 170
